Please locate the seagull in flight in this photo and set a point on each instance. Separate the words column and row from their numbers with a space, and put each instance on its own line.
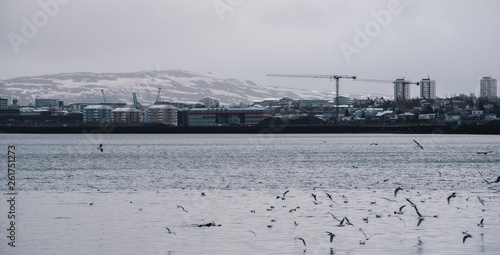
column 480, row 200
column 396, row 191
column 418, row 144
column 180, row 206
column 451, row 196
column 284, row 195
column 347, row 222
column 488, row 182
column 480, row 224
column 100, row 147
column 252, row 233
column 400, row 210
column 314, row 196
column 332, row 235
column 169, row 231
column 330, row 197
column 466, row 235
column 367, row 238
column 420, row 217
column 303, row 241
column 294, row 209
column 335, row 218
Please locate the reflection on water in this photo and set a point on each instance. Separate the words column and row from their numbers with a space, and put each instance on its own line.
column 77, row 200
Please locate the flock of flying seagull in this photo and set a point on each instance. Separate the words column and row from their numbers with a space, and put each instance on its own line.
column 342, row 222
column 345, row 221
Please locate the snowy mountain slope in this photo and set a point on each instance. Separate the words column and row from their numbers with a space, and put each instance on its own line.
column 176, row 86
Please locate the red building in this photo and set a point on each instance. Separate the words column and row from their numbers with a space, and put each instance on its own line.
column 127, row 115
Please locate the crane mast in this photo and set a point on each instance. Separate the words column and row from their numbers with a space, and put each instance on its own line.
column 158, row 96
column 321, row 76
column 103, row 97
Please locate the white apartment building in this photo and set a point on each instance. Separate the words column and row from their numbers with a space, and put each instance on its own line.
column 488, row 88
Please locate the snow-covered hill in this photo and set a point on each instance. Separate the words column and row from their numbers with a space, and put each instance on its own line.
column 176, row 86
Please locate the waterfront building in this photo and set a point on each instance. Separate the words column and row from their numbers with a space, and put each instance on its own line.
column 97, row 113
column 401, row 86
column 165, row 114
column 227, row 116
column 78, row 107
column 427, row 88
column 268, row 102
column 210, row 102
column 342, row 100
column 488, row 88
column 3, row 103
column 127, row 115
column 47, row 102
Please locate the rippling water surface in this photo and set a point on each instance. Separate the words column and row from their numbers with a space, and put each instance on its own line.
column 138, row 183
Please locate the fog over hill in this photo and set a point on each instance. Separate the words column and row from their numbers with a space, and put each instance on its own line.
column 176, row 86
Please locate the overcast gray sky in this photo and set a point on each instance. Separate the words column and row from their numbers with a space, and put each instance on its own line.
column 455, row 42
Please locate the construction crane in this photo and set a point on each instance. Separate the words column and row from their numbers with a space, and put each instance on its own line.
column 158, row 96
column 137, row 105
column 396, row 82
column 103, row 97
column 321, row 76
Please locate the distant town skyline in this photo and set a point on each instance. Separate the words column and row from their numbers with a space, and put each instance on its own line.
column 452, row 42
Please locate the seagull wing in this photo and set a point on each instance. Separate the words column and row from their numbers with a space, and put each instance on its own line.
column 412, row 204
column 480, row 200
column 396, row 191
column 304, row 241
column 284, row 194
column 497, row 180
column 252, row 232
column 419, row 145
column 465, row 237
column 419, row 222
column 363, row 233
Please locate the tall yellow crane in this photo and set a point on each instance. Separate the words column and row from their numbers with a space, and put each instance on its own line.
column 321, row 76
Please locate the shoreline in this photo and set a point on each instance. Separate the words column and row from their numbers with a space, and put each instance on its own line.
column 285, row 129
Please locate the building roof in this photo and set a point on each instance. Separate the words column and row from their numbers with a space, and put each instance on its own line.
column 215, row 110
column 162, row 106
column 127, row 109
column 96, row 107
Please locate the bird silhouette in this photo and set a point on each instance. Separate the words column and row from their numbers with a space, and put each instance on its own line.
column 480, row 224
column 303, row 241
column 180, row 206
column 451, row 196
column 284, row 195
column 169, row 231
column 418, row 144
column 466, row 235
column 332, row 235
column 396, row 191
column 100, row 147
column 314, row 196
column 400, row 210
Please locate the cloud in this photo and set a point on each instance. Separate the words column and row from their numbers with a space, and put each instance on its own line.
column 452, row 41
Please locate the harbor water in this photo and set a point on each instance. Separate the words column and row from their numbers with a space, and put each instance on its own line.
column 222, row 194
